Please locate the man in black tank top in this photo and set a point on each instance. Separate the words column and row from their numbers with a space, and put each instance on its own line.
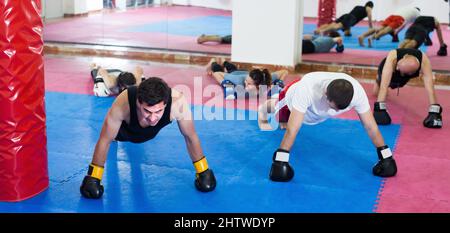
column 346, row 21
column 137, row 115
column 395, row 71
column 418, row 33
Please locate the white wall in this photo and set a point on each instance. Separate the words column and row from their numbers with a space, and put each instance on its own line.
column 258, row 36
column 75, row 7
column 311, row 8
column 57, row 8
column 52, row 9
column 94, row 5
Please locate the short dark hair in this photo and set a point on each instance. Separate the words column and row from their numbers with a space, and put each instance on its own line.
column 369, row 4
column 152, row 91
column 340, row 92
column 261, row 77
column 124, row 80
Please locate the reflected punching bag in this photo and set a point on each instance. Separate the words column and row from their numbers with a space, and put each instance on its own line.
column 327, row 12
column 23, row 140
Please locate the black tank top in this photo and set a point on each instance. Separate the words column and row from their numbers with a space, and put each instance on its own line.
column 359, row 12
column 397, row 79
column 133, row 132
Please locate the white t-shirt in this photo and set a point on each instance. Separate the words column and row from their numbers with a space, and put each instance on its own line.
column 409, row 14
column 308, row 96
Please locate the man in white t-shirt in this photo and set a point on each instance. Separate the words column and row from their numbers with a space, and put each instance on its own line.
column 313, row 99
column 391, row 25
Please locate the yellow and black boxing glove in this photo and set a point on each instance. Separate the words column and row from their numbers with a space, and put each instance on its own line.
column 91, row 186
column 204, row 177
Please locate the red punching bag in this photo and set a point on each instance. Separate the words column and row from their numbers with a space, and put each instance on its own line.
column 23, row 140
column 327, row 12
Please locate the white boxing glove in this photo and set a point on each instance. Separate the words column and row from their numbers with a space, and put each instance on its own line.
column 100, row 88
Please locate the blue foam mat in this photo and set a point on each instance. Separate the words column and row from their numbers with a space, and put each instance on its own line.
column 332, row 162
column 220, row 25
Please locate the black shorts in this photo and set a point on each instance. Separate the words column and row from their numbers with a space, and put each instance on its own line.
column 427, row 22
column 226, row 39
column 417, row 33
column 347, row 21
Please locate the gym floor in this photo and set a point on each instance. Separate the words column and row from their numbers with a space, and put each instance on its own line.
column 332, row 160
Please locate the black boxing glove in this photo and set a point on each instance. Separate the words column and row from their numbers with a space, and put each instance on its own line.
column 281, row 170
column 434, row 118
column 380, row 114
column 91, row 186
column 386, row 166
column 205, row 181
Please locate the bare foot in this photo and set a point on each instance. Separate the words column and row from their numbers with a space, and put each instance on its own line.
column 265, row 126
column 361, row 41
column 208, row 66
column 221, row 60
column 201, row 39
column 93, row 66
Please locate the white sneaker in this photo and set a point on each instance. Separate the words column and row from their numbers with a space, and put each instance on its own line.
column 229, row 93
column 230, row 97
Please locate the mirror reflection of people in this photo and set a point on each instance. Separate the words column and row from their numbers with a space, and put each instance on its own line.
column 419, row 33
column 322, row 44
column 214, row 38
column 347, row 21
column 393, row 24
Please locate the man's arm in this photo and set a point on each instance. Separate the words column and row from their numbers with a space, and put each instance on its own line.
column 371, row 127
column 111, row 126
column 91, row 186
column 369, row 16
column 386, row 75
column 182, row 113
column 386, row 165
column 138, row 72
column 281, row 170
column 263, row 111
column 293, row 126
column 205, row 180
column 427, row 76
column 109, row 81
